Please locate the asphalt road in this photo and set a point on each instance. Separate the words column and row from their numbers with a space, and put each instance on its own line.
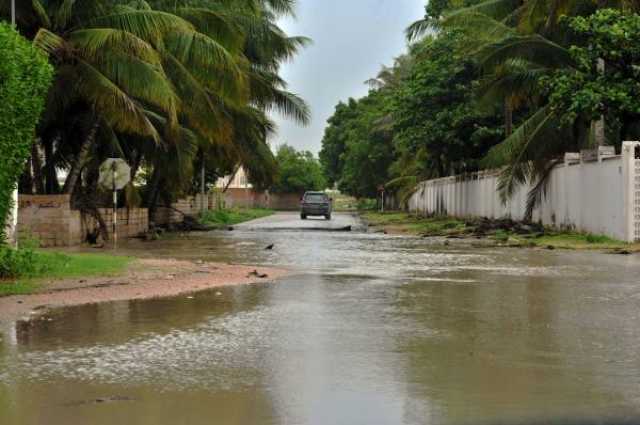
column 292, row 221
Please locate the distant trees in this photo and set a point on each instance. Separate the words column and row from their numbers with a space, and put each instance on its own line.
column 497, row 84
column 298, row 171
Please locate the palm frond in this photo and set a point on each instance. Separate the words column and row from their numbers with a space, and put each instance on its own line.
column 532, row 48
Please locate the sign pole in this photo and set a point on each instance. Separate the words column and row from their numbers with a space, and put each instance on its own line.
column 115, row 209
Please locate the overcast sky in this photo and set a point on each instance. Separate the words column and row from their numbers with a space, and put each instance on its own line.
column 351, row 40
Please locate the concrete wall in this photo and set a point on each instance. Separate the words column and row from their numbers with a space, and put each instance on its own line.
column 50, row 220
column 597, row 194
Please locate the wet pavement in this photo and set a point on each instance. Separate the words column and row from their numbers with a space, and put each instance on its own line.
column 370, row 329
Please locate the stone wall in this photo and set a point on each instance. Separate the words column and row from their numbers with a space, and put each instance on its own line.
column 50, row 220
column 131, row 222
column 590, row 193
column 190, row 206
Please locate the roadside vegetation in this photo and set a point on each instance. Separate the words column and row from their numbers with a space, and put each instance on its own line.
column 22, row 270
column 492, row 232
column 173, row 87
column 227, row 217
column 491, row 84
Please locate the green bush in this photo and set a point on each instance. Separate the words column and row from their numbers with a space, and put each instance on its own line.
column 15, row 263
column 25, row 76
column 366, row 204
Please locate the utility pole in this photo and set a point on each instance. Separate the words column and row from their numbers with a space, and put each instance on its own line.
column 13, row 12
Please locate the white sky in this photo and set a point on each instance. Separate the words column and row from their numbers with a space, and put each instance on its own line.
column 352, row 39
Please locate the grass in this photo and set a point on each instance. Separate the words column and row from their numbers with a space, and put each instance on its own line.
column 401, row 222
column 574, row 240
column 27, row 278
column 232, row 216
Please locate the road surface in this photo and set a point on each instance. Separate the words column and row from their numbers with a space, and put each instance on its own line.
column 369, row 329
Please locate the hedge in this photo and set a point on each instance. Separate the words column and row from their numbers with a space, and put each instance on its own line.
column 25, row 77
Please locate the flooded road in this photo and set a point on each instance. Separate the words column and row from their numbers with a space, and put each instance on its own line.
column 370, row 329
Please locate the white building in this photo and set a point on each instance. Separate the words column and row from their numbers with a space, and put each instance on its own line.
column 239, row 180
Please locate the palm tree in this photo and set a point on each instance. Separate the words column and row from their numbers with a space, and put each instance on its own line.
column 160, row 83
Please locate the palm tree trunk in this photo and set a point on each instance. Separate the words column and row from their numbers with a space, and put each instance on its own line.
column 36, row 164
column 154, row 185
column 83, row 156
column 508, row 118
column 137, row 160
column 49, row 168
column 25, row 183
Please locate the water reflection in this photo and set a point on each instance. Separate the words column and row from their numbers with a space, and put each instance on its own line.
column 372, row 329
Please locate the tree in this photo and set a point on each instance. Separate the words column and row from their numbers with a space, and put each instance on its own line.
column 168, row 85
column 298, row 171
column 585, row 93
column 25, row 76
column 334, row 142
column 438, row 125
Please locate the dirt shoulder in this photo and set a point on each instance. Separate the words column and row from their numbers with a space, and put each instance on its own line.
column 483, row 232
column 144, row 279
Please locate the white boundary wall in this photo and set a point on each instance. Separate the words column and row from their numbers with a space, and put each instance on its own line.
column 600, row 196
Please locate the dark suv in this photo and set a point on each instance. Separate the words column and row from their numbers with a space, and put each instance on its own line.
column 315, row 203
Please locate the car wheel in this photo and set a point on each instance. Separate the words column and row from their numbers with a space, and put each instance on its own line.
column 303, row 216
column 328, row 216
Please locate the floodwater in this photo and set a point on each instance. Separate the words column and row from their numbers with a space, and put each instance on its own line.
column 370, row 329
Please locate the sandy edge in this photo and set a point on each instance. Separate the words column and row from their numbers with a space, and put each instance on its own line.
column 144, row 279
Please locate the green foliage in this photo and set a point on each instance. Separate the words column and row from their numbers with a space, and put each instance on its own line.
column 419, row 121
column 25, row 76
column 586, row 92
column 297, row 171
column 233, row 216
column 20, row 263
column 436, row 119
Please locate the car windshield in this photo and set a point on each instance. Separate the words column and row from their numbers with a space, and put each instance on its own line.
column 315, row 197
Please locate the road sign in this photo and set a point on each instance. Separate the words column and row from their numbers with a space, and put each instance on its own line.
column 115, row 173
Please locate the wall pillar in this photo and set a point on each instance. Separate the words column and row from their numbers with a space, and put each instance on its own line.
column 631, row 192
column 11, row 225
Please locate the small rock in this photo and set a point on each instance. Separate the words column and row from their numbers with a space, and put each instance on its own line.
column 170, row 276
column 270, row 247
column 190, row 297
column 218, row 293
column 199, row 262
column 447, row 243
column 19, row 301
column 551, row 247
column 230, row 228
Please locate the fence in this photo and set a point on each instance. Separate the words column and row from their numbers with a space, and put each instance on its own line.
column 593, row 191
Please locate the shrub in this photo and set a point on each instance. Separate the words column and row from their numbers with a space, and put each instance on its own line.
column 15, row 263
column 25, row 76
